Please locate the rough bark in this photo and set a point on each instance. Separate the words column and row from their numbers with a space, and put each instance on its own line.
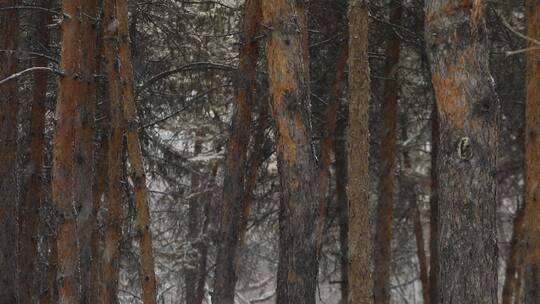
column 387, row 182
column 235, row 171
column 288, row 72
column 33, row 198
column 360, row 246
column 142, row 220
column 468, row 112
column 113, row 228
column 69, row 88
column 84, row 142
column 328, row 142
column 9, row 32
column 531, row 163
column 515, row 255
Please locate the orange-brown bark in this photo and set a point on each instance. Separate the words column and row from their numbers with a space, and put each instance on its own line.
column 142, row 220
column 113, row 230
column 328, row 141
column 531, row 163
column 467, row 156
column 288, row 73
column 9, row 37
column 69, row 88
column 234, row 190
column 360, row 284
column 387, row 182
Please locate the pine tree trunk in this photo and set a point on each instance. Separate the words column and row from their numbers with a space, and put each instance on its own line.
column 84, row 143
column 288, row 72
column 9, row 36
column 434, row 257
column 100, row 188
column 194, row 232
column 328, row 141
column 113, row 227
column 386, row 186
column 69, row 88
column 531, row 163
column 360, row 242
column 33, row 198
column 468, row 111
column 235, row 171
column 142, row 220
column 342, row 207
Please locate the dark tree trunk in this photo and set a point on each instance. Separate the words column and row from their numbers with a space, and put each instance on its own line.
column 387, row 170
column 33, row 198
column 235, row 170
column 84, row 143
column 468, row 111
column 288, row 72
column 9, row 36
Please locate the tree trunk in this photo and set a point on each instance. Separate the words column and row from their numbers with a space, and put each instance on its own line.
column 468, row 111
column 288, row 72
column 386, row 186
column 194, row 231
column 69, row 88
column 408, row 189
column 113, row 227
column 434, row 259
column 84, row 143
column 33, row 198
column 360, row 248
column 531, row 163
column 342, row 207
column 234, row 180
column 142, row 220
column 328, row 141
column 9, row 36
column 100, row 188
column 514, row 257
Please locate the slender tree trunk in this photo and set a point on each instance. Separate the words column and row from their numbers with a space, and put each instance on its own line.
column 84, row 143
column 113, row 228
column 258, row 155
column 9, row 36
column 142, row 220
column 457, row 45
column 328, row 141
column 234, row 181
column 288, row 72
column 69, row 88
column 386, row 186
column 360, row 246
column 434, row 259
column 513, row 260
column 100, row 188
column 194, row 232
column 409, row 192
column 32, row 200
column 342, row 207
column 531, row 164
